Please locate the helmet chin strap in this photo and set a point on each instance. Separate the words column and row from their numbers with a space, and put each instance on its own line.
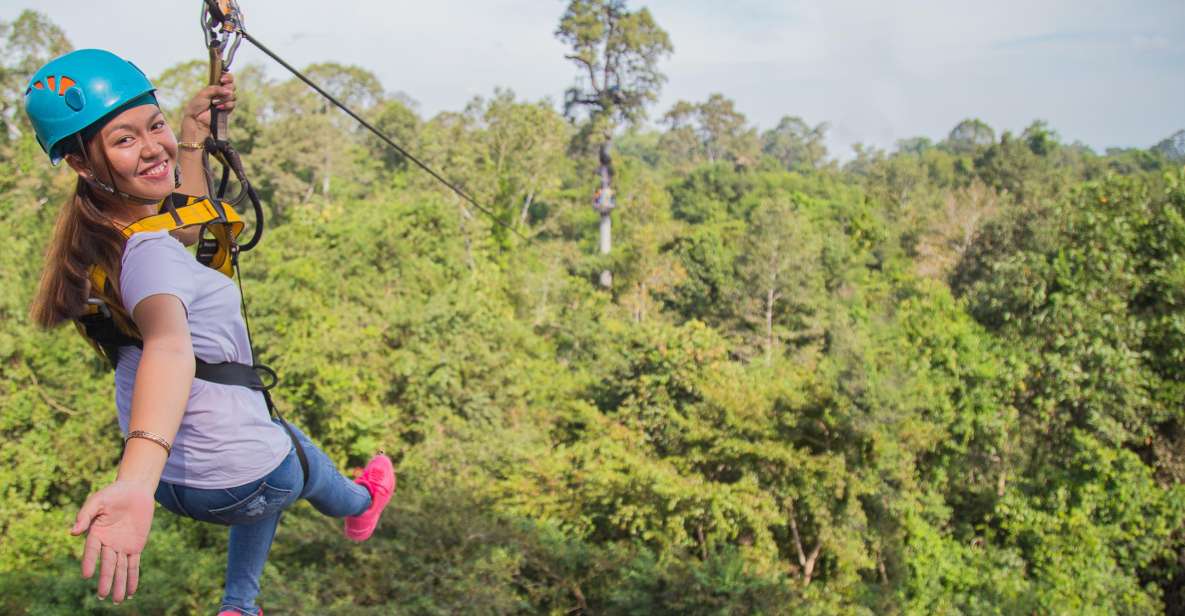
column 111, row 189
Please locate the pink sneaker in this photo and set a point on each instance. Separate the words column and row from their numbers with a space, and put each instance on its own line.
column 379, row 479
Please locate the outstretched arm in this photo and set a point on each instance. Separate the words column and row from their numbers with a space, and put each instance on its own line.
column 117, row 518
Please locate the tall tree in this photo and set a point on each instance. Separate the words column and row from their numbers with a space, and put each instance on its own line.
column 780, row 273
column 1173, row 147
column 398, row 119
column 796, row 144
column 307, row 141
column 1040, row 138
column 969, row 135
column 524, row 145
column 710, row 131
column 618, row 52
column 505, row 152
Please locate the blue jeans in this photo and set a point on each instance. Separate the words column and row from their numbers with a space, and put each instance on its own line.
column 253, row 512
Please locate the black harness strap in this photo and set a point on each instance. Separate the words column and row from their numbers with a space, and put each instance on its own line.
column 231, row 373
column 104, row 332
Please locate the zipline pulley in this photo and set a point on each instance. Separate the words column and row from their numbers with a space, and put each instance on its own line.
column 222, row 23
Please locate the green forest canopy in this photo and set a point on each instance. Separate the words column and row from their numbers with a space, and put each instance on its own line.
column 945, row 379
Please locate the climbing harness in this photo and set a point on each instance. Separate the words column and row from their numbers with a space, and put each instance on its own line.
column 107, row 326
column 103, row 322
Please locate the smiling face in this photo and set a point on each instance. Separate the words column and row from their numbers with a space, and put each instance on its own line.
column 138, row 148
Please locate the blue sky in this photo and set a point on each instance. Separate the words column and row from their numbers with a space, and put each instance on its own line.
column 1104, row 72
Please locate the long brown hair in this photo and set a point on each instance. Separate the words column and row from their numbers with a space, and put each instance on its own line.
column 83, row 236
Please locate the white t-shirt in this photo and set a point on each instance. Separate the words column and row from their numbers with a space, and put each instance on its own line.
column 226, row 438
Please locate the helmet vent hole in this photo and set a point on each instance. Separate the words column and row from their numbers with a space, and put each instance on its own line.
column 64, row 83
column 49, row 80
column 39, row 85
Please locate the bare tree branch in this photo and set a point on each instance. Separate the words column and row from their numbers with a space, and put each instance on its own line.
column 592, row 71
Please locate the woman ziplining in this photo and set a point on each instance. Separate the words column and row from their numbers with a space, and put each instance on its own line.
column 194, row 413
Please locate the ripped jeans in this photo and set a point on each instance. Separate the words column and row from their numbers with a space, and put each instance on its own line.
column 253, row 512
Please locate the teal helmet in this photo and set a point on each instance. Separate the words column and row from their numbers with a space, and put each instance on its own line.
column 74, row 92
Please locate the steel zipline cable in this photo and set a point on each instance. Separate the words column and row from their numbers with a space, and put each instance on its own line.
column 461, row 193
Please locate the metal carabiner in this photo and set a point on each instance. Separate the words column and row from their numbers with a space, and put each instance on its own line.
column 222, row 27
column 100, row 304
column 222, row 24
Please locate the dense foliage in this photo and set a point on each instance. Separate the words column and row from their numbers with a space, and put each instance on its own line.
column 946, row 379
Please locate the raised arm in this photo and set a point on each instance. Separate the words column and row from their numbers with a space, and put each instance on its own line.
column 195, row 127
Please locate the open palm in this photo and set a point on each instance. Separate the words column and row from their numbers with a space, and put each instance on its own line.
column 116, row 521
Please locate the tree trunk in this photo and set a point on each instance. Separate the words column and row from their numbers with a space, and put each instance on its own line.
column 522, row 217
column 808, row 568
column 606, row 172
column 308, row 194
column 769, row 326
column 581, row 602
column 465, row 216
column 606, row 233
column 325, row 178
column 541, row 309
column 806, row 562
column 703, row 544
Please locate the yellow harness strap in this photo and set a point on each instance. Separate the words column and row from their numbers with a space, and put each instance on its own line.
column 221, row 221
column 199, row 211
column 196, row 211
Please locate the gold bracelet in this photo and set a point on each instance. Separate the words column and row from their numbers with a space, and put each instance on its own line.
column 156, row 438
column 191, row 145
